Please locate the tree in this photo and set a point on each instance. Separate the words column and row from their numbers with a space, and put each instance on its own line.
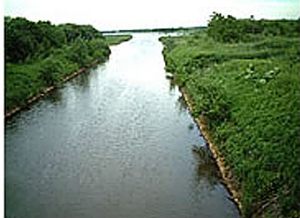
column 50, row 71
column 19, row 40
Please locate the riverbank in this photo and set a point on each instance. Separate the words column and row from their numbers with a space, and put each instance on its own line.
column 117, row 39
column 248, row 94
column 45, row 91
column 39, row 55
column 225, row 171
column 111, row 40
column 48, row 56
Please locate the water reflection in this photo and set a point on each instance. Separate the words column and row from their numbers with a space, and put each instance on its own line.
column 83, row 82
column 181, row 103
column 206, row 167
column 55, row 97
column 172, row 85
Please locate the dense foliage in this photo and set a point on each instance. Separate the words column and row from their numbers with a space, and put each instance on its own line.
column 25, row 39
column 40, row 54
column 249, row 94
column 230, row 29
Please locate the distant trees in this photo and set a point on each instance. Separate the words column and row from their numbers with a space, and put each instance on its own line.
column 229, row 29
column 19, row 42
column 25, row 39
column 73, row 31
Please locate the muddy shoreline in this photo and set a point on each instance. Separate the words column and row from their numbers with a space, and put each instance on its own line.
column 225, row 171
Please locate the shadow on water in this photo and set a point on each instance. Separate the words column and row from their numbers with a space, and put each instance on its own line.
column 172, row 85
column 83, row 81
column 181, row 104
column 206, row 167
column 54, row 97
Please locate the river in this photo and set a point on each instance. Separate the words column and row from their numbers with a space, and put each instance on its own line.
column 114, row 142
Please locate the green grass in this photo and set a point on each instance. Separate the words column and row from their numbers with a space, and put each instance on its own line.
column 117, row 39
column 249, row 94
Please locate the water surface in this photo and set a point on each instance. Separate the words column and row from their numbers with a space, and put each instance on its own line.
column 114, row 142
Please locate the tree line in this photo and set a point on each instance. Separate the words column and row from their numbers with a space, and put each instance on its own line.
column 40, row 54
column 230, row 29
column 25, row 39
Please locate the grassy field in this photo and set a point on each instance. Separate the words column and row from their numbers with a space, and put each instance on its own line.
column 249, row 94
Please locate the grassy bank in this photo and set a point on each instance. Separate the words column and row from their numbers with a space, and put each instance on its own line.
column 39, row 55
column 248, row 92
column 117, row 39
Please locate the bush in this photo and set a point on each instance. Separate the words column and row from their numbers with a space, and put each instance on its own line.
column 50, row 72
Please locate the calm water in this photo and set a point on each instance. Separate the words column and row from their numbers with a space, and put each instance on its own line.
column 115, row 142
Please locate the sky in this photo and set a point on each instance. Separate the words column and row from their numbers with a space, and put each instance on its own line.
column 134, row 14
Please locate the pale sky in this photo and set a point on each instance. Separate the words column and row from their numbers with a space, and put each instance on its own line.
column 133, row 14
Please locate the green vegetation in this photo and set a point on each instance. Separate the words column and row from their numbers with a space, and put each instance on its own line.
column 117, row 39
column 38, row 55
column 243, row 77
column 230, row 29
column 162, row 30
